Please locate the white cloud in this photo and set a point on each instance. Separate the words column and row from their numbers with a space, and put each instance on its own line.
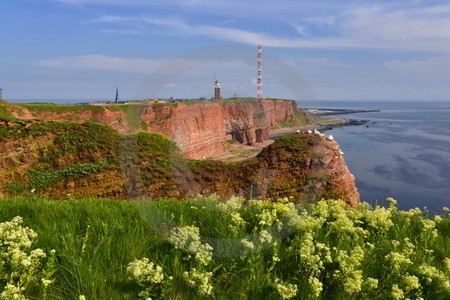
column 266, row 8
column 321, row 20
column 391, row 24
column 229, row 34
column 386, row 26
column 326, row 62
column 122, row 31
column 429, row 66
column 301, row 29
column 102, row 2
column 102, row 63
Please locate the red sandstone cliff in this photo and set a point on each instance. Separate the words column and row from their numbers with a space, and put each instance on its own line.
column 199, row 129
column 311, row 171
column 61, row 158
column 305, row 166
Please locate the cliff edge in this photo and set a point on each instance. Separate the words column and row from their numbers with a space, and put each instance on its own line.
column 69, row 159
column 200, row 129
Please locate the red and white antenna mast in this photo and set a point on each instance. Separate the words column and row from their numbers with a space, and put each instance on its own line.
column 259, row 88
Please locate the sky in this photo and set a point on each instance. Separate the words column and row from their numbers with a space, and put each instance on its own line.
column 80, row 50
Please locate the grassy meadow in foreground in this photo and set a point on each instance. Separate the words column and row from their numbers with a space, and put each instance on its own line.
column 205, row 248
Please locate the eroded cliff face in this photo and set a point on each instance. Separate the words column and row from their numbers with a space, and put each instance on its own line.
column 303, row 166
column 307, row 167
column 199, row 129
column 65, row 159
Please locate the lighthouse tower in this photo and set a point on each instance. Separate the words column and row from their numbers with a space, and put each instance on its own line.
column 217, row 90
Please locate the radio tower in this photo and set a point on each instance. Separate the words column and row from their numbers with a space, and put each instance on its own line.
column 259, row 88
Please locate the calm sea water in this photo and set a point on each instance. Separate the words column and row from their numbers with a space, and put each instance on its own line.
column 404, row 153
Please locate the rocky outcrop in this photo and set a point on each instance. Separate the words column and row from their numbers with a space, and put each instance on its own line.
column 65, row 159
column 200, row 129
column 304, row 166
column 308, row 167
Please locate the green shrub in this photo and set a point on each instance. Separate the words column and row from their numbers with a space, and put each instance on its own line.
column 41, row 180
column 15, row 188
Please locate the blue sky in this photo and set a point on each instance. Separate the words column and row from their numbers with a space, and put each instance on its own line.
column 64, row 50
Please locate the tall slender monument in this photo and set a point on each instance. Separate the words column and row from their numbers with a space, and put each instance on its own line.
column 217, row 90
column 117, row 94
column 1, row 93
column 259, row 88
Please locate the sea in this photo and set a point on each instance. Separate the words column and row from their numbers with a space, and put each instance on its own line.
column 402, row 152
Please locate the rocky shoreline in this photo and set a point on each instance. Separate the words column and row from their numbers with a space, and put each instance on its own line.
column 237, row 151
column 328, row 111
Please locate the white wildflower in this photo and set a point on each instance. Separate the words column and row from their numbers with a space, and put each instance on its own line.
column 232, row 204
column 144, row 271
column 248, row 244
column 316, row 286
column 38, row 253
column 397, row 293
column 370, row 284
column 398, row 261
column 284, row 208
column 438, row 219
column 434, row 275
column 19, row 263
column 286, row 290
column 392, row 203
column 446, row 263
column 265, row 236
column 379, row 219
column 410, row 282
column 428, row 225
column 353, row 282
column 199, row 280
column 46, row 282
column 188, row 239
column 12, row 292
column 267, row 217
column 237, row 222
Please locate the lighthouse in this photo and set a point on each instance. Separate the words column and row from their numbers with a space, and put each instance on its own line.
column 217, row 90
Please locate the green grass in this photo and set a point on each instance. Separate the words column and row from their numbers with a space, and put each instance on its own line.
column 59, row 108
column 300, row 119
column 132, row 113
column 41, row 180
column 343, row 249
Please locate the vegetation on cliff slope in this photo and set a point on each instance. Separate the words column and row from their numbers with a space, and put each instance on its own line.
column 207, row 249
column 38, row 108
column 300, row 119
column 91, row 159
